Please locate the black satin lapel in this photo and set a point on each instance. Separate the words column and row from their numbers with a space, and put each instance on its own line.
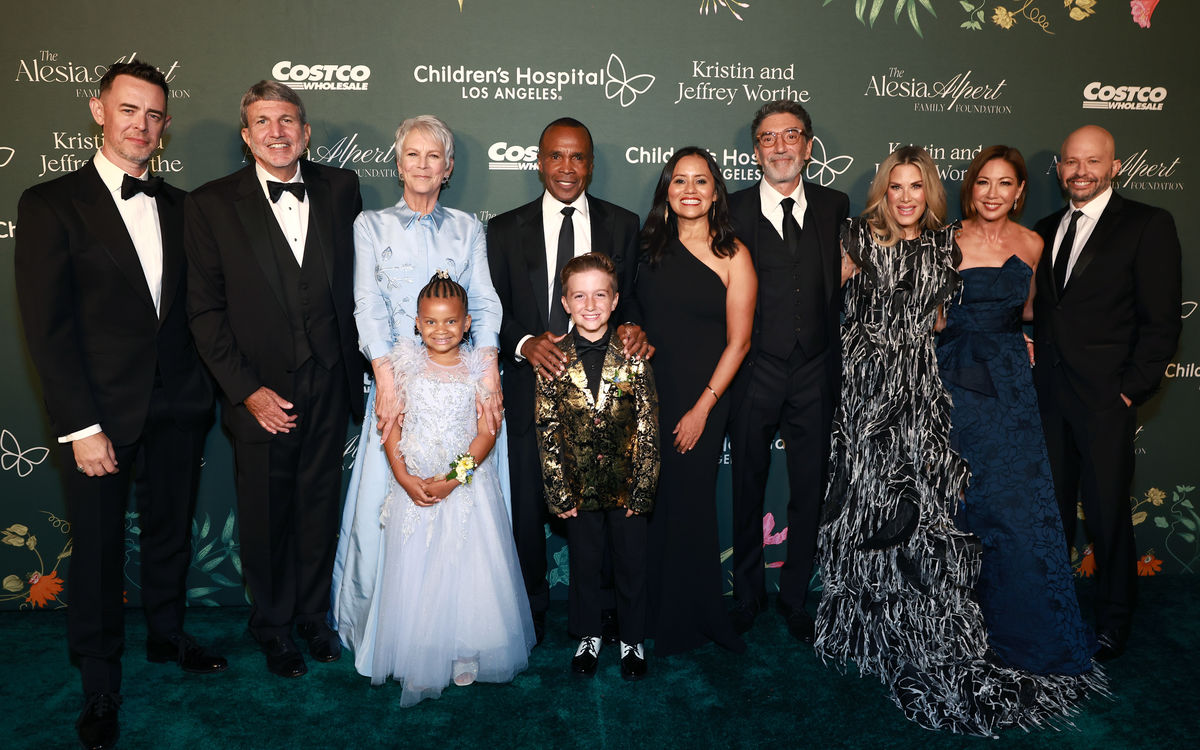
column 601, row 221
column 170, row 221
column 1098, row 239
column 1045, row 267
column 253, row 211
column 319, row 218
column 751, row 219
column 99, row 212
column 533, row 245
column 829, row 269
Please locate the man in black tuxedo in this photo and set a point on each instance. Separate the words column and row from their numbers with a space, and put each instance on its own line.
column 100, row 277
column 271, row 251
column 1106, row 324
column 789, row 381
column 527, row 248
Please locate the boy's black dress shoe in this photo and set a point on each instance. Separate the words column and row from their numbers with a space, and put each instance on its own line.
column 633, row 661
column 586, row 656
column 323, row 643
column 182, row 649
column 97, row 725
column 283, row 658
column 799, row 623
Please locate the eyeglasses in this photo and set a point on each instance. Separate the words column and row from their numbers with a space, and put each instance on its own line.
column 791, row 137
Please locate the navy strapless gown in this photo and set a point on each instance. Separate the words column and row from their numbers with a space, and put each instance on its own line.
column 1025, row 587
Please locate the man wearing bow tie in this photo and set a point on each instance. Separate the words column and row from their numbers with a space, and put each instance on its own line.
column 100, row 277
column 270, row 256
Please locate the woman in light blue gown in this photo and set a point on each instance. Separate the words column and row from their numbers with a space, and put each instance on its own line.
column 397, row 250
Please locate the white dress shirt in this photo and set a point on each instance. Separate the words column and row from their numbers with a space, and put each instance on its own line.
column 1084, row 226
column 552, row 219
column 290, row 212
column 770, row 199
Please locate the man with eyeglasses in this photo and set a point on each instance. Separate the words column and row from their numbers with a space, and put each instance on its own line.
column 790, row 380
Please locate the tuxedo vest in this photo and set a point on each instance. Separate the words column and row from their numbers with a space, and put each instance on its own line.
column 791, row 292
column 307, row 297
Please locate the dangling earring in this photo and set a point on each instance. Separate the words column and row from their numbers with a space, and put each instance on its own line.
column 416, row 330
column 666, row 213
column 1014, row 208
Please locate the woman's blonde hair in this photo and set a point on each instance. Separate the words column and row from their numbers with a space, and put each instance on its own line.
column 886, row 229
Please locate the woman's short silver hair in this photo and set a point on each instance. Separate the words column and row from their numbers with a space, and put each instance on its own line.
column 431, row 125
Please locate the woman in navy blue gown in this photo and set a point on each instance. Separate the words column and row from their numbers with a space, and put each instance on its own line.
column 1025, row 587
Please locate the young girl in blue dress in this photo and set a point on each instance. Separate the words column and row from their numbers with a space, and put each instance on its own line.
column 452, row 604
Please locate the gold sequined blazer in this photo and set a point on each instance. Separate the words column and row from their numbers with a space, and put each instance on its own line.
column 603, row 453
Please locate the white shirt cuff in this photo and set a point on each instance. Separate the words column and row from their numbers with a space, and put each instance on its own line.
column 517, row 354
column 81, row 434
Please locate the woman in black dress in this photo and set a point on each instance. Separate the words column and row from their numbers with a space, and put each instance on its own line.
column 696, row 288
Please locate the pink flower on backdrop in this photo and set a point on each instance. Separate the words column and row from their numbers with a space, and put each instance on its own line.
column 1141, row 10
column 770, row 538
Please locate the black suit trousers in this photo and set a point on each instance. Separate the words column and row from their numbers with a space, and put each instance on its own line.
column 792, row 396
column 1091, row 460
column 163, row 465
column 597, row 537
column 529, row 514
column 289, row 492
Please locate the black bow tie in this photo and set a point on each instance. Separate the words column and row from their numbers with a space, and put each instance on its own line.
column 131, row 186
column 276, row 189
column 583, row 345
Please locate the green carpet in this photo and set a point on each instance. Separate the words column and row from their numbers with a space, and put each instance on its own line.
column 776, row 694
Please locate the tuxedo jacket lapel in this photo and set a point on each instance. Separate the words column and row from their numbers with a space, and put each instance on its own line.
column 1046, row 265
column 319, row 205
column 1097, row 240
column 170, row 220
column 533, row 246
column 815, row 217
column 602, row 231
column 253, row 212
column 97, row 209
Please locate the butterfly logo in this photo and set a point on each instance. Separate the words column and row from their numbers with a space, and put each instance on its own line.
column 6, row 155
column 1187, row 309
column 827, row 170
column 622, row 87
column 12, row 457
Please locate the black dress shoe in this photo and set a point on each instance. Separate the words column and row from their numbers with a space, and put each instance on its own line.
column 323, row 643
column 1112, row 643
column 586, row 656
column 97, row 725
column 283, row 658
column 610, row 631
column 539, row 626
column 799, row 623
column 182, row 649
column 633, row 661
column 742, row 615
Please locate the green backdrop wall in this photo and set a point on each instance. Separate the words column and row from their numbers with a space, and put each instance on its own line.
column 952, row 75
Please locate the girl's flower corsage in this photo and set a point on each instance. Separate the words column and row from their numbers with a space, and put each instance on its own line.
column 462, row 468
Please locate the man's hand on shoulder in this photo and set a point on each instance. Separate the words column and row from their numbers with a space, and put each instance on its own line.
column 544, row 355
column 634, row 340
